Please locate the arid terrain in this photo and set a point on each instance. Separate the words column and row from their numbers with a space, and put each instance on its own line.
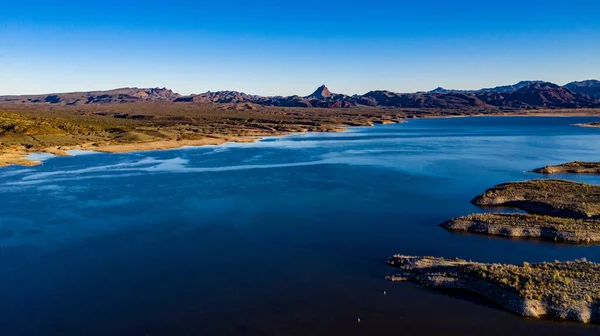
column 575, row 167
column 559, row 198
column 559, row 211
column 144, row 119
column 557, row 229
column 562, row 290
column 117, row 127
column 27, row 128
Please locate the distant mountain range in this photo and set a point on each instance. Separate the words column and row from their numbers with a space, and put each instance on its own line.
column 588, row 87
column 124, row 95
column 497, row 89
column 523, row 95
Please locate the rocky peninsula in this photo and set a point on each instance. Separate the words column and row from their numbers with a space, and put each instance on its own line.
column 547, row 197
column 575, row 167
column 562, row 290
column 589, row 125
column 558, row 229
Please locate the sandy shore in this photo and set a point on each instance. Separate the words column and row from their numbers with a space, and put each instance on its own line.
column 19, row 155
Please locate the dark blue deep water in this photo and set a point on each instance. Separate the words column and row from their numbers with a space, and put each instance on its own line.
column 285, row 236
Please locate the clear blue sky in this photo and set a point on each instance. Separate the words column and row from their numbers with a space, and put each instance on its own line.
column 280, row 47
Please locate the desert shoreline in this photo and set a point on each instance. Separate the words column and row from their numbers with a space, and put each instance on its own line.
column 20, row 157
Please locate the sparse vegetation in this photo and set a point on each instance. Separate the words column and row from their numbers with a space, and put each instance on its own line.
column 564, row 290
column 566, row 230
column 26, row 128
column 41, row 127
column 550, row 197
column 575, row 167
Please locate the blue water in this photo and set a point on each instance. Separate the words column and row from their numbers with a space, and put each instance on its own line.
column 285, row 236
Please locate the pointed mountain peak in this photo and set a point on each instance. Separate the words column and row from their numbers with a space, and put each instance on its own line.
column 321, row 93
column 440, row 89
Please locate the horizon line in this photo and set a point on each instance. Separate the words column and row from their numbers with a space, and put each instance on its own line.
column 259, row 95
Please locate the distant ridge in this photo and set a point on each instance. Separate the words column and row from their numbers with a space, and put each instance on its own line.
column 121, row 95
column 522, row 95
column 547, row 95
column 497, row 89
column 589, row 87
column 511, row 88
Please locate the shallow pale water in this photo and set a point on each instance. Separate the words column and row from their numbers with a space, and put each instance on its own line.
column 286, row 236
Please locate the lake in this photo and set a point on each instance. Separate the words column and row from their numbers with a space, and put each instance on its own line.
column 285, row 236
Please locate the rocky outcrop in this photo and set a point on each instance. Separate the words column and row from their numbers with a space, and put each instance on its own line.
column 548, row 197
column 589, row 125
column 564, row 230
column 562, row 290
column 575, row 167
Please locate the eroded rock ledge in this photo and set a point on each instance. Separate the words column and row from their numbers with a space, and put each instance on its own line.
column 565, row 230
column 563, row 290
column 575, row 167
column 548, row 197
